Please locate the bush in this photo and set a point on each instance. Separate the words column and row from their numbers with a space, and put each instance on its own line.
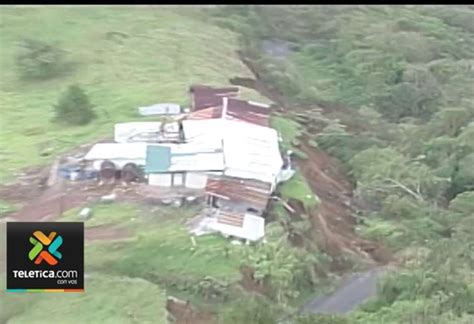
column 253, row 309
column 39, row 60
column 74, row 107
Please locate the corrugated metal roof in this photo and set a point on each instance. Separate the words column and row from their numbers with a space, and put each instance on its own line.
column 208, row 113
column 255, row 193
column 245, row 226
column 237, row 109
column 111, row 151
column 247, row 111
column 206, row 96
column 152, row 132
column 158, row 159
column 136, row 131
column 250, row 151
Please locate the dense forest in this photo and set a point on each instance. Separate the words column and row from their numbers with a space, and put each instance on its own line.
column 393, row 88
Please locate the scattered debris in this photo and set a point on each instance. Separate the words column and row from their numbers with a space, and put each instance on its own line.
column 160, row 109
column 177, row 203
column 108, row 198
column 85, row 214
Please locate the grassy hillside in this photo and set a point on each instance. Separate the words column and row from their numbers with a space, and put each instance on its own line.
column 123, row 57
column 159, row 255
column 106, row 300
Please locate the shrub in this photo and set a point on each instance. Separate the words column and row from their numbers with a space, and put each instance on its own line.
column 39, row 60
column 74, row 107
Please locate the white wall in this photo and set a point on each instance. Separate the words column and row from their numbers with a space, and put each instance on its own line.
column 159, row 179
column 196, row 180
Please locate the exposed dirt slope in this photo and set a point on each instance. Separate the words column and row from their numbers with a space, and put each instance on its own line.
column 334, row 216
column 333, row 219
column 184, row 313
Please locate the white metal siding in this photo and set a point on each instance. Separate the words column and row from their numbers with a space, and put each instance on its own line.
column 178, row 179
column 160, row 179
column 196, row 180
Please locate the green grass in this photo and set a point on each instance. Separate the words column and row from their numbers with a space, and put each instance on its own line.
column 105, row 214
column 161, row 245
column 297, row 188
column 6, row 208
column 165, row 251
column 288, row 129
column 166, row 50
column 105, row 300
column 160, row 251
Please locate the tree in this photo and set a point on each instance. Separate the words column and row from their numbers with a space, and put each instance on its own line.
column 463, row 179
column 463, row 203
column 74, row 107
column 282, row 268
column 39, row 60
column 418, row 95
column 384, row 171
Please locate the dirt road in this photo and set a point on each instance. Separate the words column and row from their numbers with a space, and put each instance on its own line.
column 49, row 204
column 356, row 289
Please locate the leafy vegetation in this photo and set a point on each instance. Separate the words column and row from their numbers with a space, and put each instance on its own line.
column 288, row 129
column 250, row 310
column 6, row 208
column 74, row 107
column 118, row 213
column 394, row 84
column 39, row 60
column 163, row 252
column 297, row 188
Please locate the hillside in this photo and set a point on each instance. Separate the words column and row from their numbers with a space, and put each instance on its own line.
column 388, row 91
column 376, row 103
column 123, row 58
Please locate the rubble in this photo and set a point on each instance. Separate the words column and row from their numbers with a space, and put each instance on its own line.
column 108, row 198
column 85, row 213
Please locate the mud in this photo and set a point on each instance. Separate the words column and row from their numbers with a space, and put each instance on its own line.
column 248, row 282
column 334, row 219
column 184, row 313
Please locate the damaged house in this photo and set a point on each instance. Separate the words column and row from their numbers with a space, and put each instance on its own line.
column 223, row 148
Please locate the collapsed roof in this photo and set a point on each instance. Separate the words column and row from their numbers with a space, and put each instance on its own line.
column 205, row 96
column 119, row 153
column 251, row 192
column 250, row 151
column 244, row 226
column 235, row 109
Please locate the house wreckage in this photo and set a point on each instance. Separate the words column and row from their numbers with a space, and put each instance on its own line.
column 221, row 150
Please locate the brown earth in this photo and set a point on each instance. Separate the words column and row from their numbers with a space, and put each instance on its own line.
column 185, row 313
column 248, row 282
column 62, row 196
column 334, row 218
column 48, row 204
